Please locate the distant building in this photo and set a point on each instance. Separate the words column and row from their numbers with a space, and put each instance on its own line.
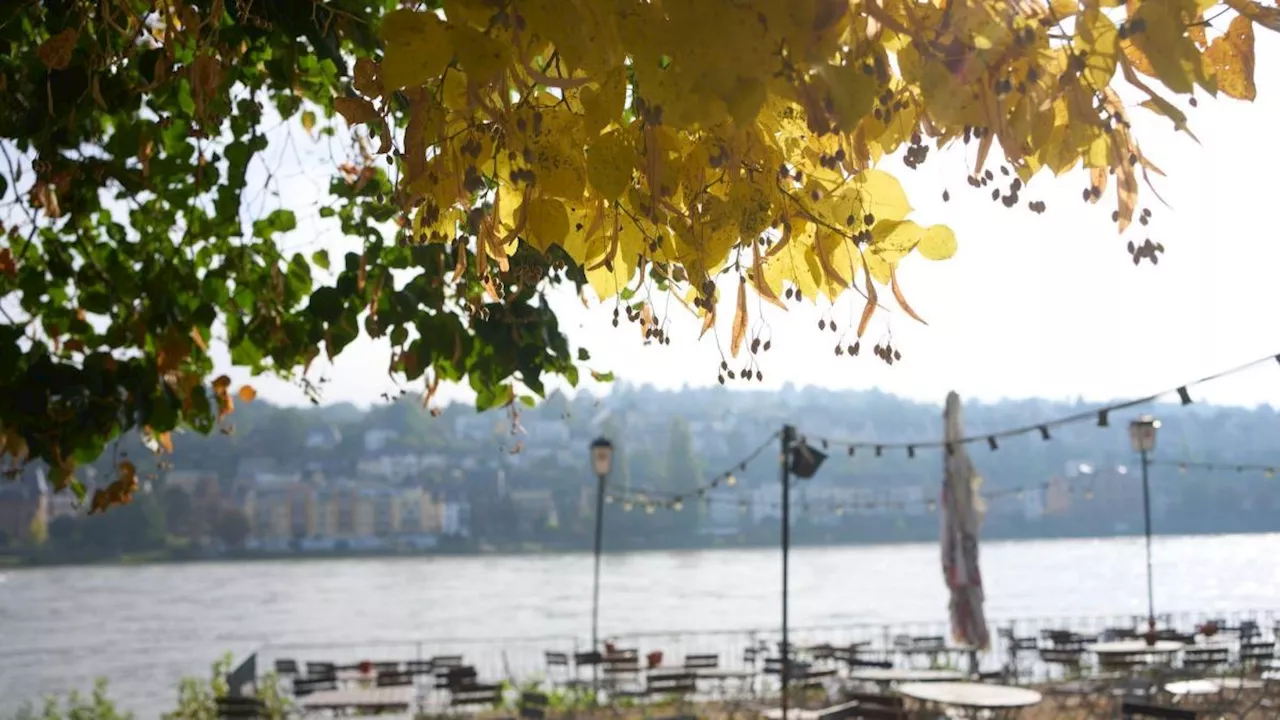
column 22, row 501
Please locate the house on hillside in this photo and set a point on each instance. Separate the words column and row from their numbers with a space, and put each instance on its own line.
column 22, row 502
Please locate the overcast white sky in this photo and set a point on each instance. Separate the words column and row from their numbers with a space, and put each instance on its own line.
column 1031, row 306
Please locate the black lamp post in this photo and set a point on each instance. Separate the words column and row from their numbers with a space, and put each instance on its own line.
column 1142, row 433
column 601, row 465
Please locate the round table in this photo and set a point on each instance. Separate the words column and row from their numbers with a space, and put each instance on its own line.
column 1212, row 686
column 972, row 695
column 1135, row 647
column 893, row 675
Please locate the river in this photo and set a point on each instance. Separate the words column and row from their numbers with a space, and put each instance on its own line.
column 143, row 627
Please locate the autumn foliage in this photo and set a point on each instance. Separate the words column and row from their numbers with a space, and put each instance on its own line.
column 502, row 147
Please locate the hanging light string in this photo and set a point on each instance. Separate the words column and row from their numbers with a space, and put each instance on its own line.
column 992, row 440
column 1268, row 471
column 650, row 501
column 727, row 477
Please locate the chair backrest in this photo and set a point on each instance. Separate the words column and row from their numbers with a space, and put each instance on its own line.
column 1199, row 657
column 457, row 677
column 672, row 684
column 1062, row 657
column 386, row 667
column 701, row 662
column 1257, row 650
column 306, row 686
column 557, row 659
column 533, row 705
column 1131, row 709
column 875, row 699
column 419, row 667
column 240, row 707
column 476, row 694
column 588, row 658
column 865, row 663
column 621, row 666
column 394, row 679
column 284, row 666
column 321, row 669
column 928, row 641
column 873, row 712
column 447, row 661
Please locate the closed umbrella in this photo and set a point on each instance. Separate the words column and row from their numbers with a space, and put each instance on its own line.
column 962, row 513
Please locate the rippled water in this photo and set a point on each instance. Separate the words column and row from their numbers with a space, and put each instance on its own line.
column 144, row 627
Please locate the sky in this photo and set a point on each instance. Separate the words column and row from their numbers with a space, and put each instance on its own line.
column 1031, row 305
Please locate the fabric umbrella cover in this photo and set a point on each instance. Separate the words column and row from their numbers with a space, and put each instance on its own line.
column 962, row 513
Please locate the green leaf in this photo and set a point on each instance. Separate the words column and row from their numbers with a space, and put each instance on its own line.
column 320, row 259
column 277, row 222
column 326, row 304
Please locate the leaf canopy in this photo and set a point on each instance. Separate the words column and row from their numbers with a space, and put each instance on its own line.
column 501, row 147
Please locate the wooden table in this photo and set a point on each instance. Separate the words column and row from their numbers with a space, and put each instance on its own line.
column 364, row 699
column 896, row 675
column 971, row 696
column 1135, row 647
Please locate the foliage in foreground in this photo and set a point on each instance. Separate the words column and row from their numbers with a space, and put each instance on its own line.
column 196, row 700
column 630, row 147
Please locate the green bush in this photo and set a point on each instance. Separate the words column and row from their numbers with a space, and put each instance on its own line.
column 97, row 706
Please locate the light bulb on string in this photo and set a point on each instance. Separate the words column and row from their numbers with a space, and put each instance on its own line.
column 1269, row 473
column 626, row 507
column 839, row 509
column 648, row 509
column 730, row 480
column 677, row 505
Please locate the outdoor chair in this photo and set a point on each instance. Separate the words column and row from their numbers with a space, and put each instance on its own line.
column 1201, row 658
column 674, row 685
column 1256, row 652
column 701, row 662
column 533, row 705
column 230, row 708
column 442, row 663
column 419, row 667
column 321, row 669
column 1135, row 711
column 286, row 667
column 880, row 700
column 475, row 694
column 394, row 679
column 1068, row 660
column 306, row 686
column 455, row 678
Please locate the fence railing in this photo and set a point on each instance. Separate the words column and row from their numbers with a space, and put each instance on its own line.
column 523, row 659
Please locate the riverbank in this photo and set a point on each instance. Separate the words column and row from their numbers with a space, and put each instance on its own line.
column 185, row 555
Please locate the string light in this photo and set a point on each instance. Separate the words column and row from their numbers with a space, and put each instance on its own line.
column 1268, row 471
column 731, row 480
column 1101, row 415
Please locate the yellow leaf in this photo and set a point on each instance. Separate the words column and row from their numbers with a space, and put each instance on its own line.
column 56, row 52
column 604, row 105
column 751, row 201
column 881, row 195
column 356, row 110
column 547, row 222
column 1232, row 59
column 247, row 393
column 481, row 55
column 308, row 121
column 902, row 300
column 1097, row 37
column 1165, row 42
column 418, row 48
column 869, row 308
column 739, row 320
column 611, row 161
column 937, row 243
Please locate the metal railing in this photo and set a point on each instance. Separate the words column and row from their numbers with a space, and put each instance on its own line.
column 523, row 659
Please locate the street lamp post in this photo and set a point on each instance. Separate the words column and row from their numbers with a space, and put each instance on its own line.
column 1142, row 433
column 601, row 465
